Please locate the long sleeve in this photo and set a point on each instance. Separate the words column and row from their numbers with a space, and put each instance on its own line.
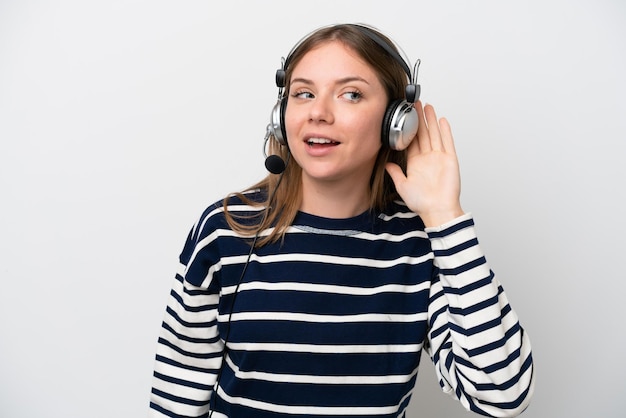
column 189, row 350
column 482, row 355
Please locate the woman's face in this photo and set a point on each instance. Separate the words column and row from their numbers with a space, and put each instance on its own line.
column 334, row 115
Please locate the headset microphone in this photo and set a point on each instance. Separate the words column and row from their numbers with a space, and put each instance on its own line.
column 275, row 164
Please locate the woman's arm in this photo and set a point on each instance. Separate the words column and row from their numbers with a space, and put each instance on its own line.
column 481, row 353
column 189, row 350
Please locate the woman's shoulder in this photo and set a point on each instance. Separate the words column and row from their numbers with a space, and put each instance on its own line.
column 246, row 204
column 252, row 199
column 397, row 214
column 397, row 208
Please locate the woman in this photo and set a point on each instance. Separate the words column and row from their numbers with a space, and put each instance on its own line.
column 314, row 292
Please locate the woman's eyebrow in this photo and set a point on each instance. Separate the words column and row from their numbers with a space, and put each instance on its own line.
column 343, row 80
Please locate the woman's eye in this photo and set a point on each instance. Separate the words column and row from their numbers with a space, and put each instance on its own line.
column 303, row 94
column 352, row 95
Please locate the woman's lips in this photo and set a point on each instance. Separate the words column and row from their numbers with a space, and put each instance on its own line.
column 321, row 142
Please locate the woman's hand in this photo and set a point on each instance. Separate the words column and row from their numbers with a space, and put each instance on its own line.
column 432, row 184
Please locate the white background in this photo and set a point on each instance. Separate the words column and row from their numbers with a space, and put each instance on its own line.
column 121, row 120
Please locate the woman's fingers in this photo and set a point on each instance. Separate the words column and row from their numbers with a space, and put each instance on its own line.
column 434, row 135
column 446, row 135
column 423, row 140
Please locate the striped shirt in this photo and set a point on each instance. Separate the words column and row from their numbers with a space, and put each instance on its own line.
column 331, row 321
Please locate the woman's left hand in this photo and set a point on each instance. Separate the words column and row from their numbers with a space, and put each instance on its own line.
column 432, row 184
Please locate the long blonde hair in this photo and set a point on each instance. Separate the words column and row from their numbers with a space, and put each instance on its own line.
column 286, row 192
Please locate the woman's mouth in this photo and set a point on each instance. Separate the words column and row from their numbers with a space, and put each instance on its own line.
column 314, row 142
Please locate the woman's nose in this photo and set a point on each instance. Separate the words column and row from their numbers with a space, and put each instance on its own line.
column 321, row 110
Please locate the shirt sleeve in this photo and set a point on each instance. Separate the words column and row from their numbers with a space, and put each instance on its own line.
column 189, row 350
column 482, row 355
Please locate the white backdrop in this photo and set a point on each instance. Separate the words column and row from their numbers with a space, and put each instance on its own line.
column 120, row 120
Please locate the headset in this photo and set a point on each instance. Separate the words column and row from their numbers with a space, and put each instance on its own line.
column 400, row 121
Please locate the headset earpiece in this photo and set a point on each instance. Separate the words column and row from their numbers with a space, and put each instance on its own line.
column 277, row 123
column 401, row 121
column 277, row 119
column 399, row 124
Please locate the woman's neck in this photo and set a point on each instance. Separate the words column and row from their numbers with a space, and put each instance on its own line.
column 337, row 200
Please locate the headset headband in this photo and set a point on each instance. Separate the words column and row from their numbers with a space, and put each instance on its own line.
column 372, row 33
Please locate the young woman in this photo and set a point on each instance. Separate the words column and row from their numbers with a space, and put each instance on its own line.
column 313, row 293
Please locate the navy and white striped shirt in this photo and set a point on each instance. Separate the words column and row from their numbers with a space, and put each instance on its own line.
column 331, row 321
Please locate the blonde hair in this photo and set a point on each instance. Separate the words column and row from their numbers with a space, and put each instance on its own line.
column 286, row 193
